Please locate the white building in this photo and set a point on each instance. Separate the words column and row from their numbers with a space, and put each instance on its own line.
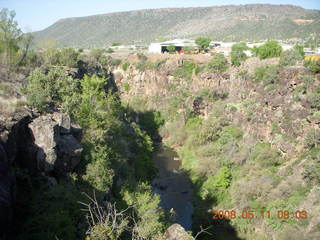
column 128, row 47
column 286, row 47
column 178, row 43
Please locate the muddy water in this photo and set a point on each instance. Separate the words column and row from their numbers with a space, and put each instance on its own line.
column 173, row 186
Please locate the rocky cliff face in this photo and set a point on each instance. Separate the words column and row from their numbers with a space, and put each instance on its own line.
column 279, row 114
column 160, row 84
column 46, row 145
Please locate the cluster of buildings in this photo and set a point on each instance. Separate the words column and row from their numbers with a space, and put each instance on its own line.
column 180, row 44
column 220, row 47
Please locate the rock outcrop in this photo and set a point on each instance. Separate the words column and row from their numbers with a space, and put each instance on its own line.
column 44, row 145
column 177, row 232
column 57, row 149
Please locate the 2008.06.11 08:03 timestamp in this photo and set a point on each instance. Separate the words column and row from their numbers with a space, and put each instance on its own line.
column 262, row 214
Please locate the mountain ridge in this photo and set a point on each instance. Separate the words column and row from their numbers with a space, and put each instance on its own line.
column 228, row 22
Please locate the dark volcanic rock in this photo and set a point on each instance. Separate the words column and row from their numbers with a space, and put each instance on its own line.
column 57, row 149
column 49, row 144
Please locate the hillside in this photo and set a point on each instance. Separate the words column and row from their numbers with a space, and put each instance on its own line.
column 229, row 23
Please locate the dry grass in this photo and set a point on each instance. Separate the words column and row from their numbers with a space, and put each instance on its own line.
column 6, row 89
column 8, row 106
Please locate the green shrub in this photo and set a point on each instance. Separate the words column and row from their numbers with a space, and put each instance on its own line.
column 270, row 49
column 157, row 64
column 125, row 66
column 126, row 86
column 115, row 44
column 149, row 215
column 171, row 48
column 186, row 70
column 142, row 65
column 311, row 170
column 218, row 182
column 55, row 87
column 69, row 57
column 290, row 57
column 99, row 173
column 188, row 50
column 312, row 138
column 109, row 50
column 142, row 57
column 189, row 160
column 313, row 65
column 51, row 56
column 212, row 95
column 314, row 98
column 300, row 50
column 263, row 155
column 210, row 129
column 229, row 134
column 237, row 53
column 143, row 164
column 97, row 53
column 54, row 206
column 6, row 89
column 33, row 59
column 151, row 121
column 218, row 63
column 115, row 62
column 96, row 108
column 267, row 75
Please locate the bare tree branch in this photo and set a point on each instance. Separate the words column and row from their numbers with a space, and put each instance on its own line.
column 202, row 230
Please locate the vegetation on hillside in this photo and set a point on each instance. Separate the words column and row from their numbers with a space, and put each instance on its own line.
column 259, row 22
column 114, row 175
column 232, row 132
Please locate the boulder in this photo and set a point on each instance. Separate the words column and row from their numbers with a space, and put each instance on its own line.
column 69, row 153
column 57, row 149
column 46, row 133
column 177, row 232
column 63, row 121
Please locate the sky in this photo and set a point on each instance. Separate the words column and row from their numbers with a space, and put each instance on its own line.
column 34, row 15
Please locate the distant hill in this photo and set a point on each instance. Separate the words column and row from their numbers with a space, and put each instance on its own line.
column 229, row 23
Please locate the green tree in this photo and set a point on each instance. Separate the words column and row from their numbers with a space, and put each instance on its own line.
column 237, row 53
column 52, row 88
column 99, row 172
column 203, row 42
column 14, row 45
column 149, row 215
column 97, row 108
column 270, row 49
column 171, row 48
column 218, row 63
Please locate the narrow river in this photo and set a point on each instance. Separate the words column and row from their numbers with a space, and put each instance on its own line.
column 174, row 186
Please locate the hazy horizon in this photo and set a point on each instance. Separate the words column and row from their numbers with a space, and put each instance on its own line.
column 50, row 12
